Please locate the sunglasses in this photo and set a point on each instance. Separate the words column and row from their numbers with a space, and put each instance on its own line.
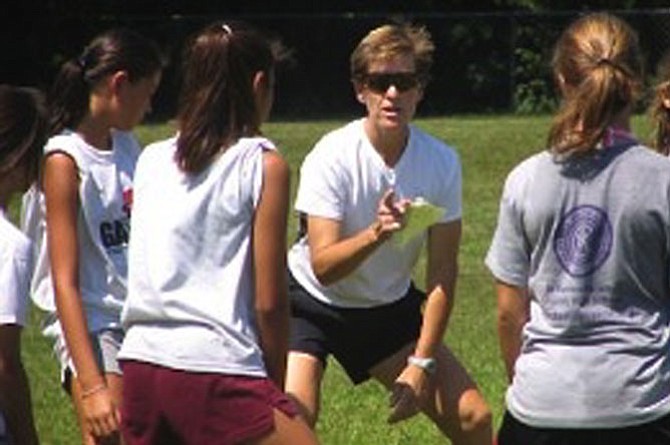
column 381, row 82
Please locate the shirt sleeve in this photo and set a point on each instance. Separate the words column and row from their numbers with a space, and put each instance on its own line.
column 321, row 191
column 440, row 168
column 508, row 257
column 453, row 196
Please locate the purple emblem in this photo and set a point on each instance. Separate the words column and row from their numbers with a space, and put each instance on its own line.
column 583, row 240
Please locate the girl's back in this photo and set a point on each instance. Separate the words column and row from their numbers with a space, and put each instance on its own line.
column 596, row 242
column 191, row 257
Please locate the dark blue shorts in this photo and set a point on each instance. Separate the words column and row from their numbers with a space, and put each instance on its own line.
column 513, row 432
column 357, row 338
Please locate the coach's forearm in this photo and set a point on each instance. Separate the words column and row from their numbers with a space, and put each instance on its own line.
column 441, row 275
column 435, row 320
column 334, row 262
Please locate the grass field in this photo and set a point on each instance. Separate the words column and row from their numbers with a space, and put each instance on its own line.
column 489, row 147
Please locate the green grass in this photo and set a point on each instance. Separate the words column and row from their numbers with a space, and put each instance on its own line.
column 489, row 147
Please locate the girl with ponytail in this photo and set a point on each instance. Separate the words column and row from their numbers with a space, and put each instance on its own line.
column 598, row 70
column 581, row 255
column 79, row 216
column 206, row 318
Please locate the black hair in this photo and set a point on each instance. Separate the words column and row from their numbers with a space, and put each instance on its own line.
column 114, row 50
column 23, row 130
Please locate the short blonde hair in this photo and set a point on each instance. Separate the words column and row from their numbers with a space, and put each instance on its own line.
column 389, row 41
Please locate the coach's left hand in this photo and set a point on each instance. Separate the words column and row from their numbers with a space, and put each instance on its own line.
column 408, row 394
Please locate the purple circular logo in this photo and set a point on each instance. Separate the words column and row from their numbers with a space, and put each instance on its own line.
column 583, row 240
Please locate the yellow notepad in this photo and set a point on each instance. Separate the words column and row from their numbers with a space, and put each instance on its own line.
column 420, row 216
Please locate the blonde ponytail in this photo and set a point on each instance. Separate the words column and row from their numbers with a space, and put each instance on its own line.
column 598, row 65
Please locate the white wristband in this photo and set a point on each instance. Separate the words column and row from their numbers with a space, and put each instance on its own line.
column 428, row 364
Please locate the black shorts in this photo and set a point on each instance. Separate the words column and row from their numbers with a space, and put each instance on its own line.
column 357, row 338
column 513, row 432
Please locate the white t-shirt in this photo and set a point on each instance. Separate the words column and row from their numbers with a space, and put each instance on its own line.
column 343, row 178
column 191, row 294
column 15, row 272
column 103, row 223
column 590, row 239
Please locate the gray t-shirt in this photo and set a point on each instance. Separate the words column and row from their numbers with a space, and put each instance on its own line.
column 590, row 239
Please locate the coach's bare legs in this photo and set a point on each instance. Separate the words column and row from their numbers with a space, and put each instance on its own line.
column 303, row 383
column 453, row 401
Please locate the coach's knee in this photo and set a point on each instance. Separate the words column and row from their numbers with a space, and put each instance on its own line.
column 469, row 421
column 476, row 417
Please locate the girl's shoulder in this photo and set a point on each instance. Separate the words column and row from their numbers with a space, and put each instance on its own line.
column 124, row 146
column 66, row 141
column 255, row 143
column 126, row 142
column 523, row 173
column 158, row 152
column 247, row 150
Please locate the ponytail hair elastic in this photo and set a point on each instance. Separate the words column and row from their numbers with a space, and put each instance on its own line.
column 617, row 66
column 84, row 61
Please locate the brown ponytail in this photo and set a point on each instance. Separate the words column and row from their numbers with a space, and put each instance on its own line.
column 113, row 50
column 216, row 103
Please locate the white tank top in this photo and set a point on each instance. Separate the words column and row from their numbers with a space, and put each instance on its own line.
column 190, row 300
column 103, row 223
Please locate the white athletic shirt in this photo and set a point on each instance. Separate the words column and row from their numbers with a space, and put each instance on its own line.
column 191, row 295
column 343, row 178
column 103, row 223
column 590, row 239
column 15, row 272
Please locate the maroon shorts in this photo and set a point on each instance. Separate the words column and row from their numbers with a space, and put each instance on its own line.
column 171, row 407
